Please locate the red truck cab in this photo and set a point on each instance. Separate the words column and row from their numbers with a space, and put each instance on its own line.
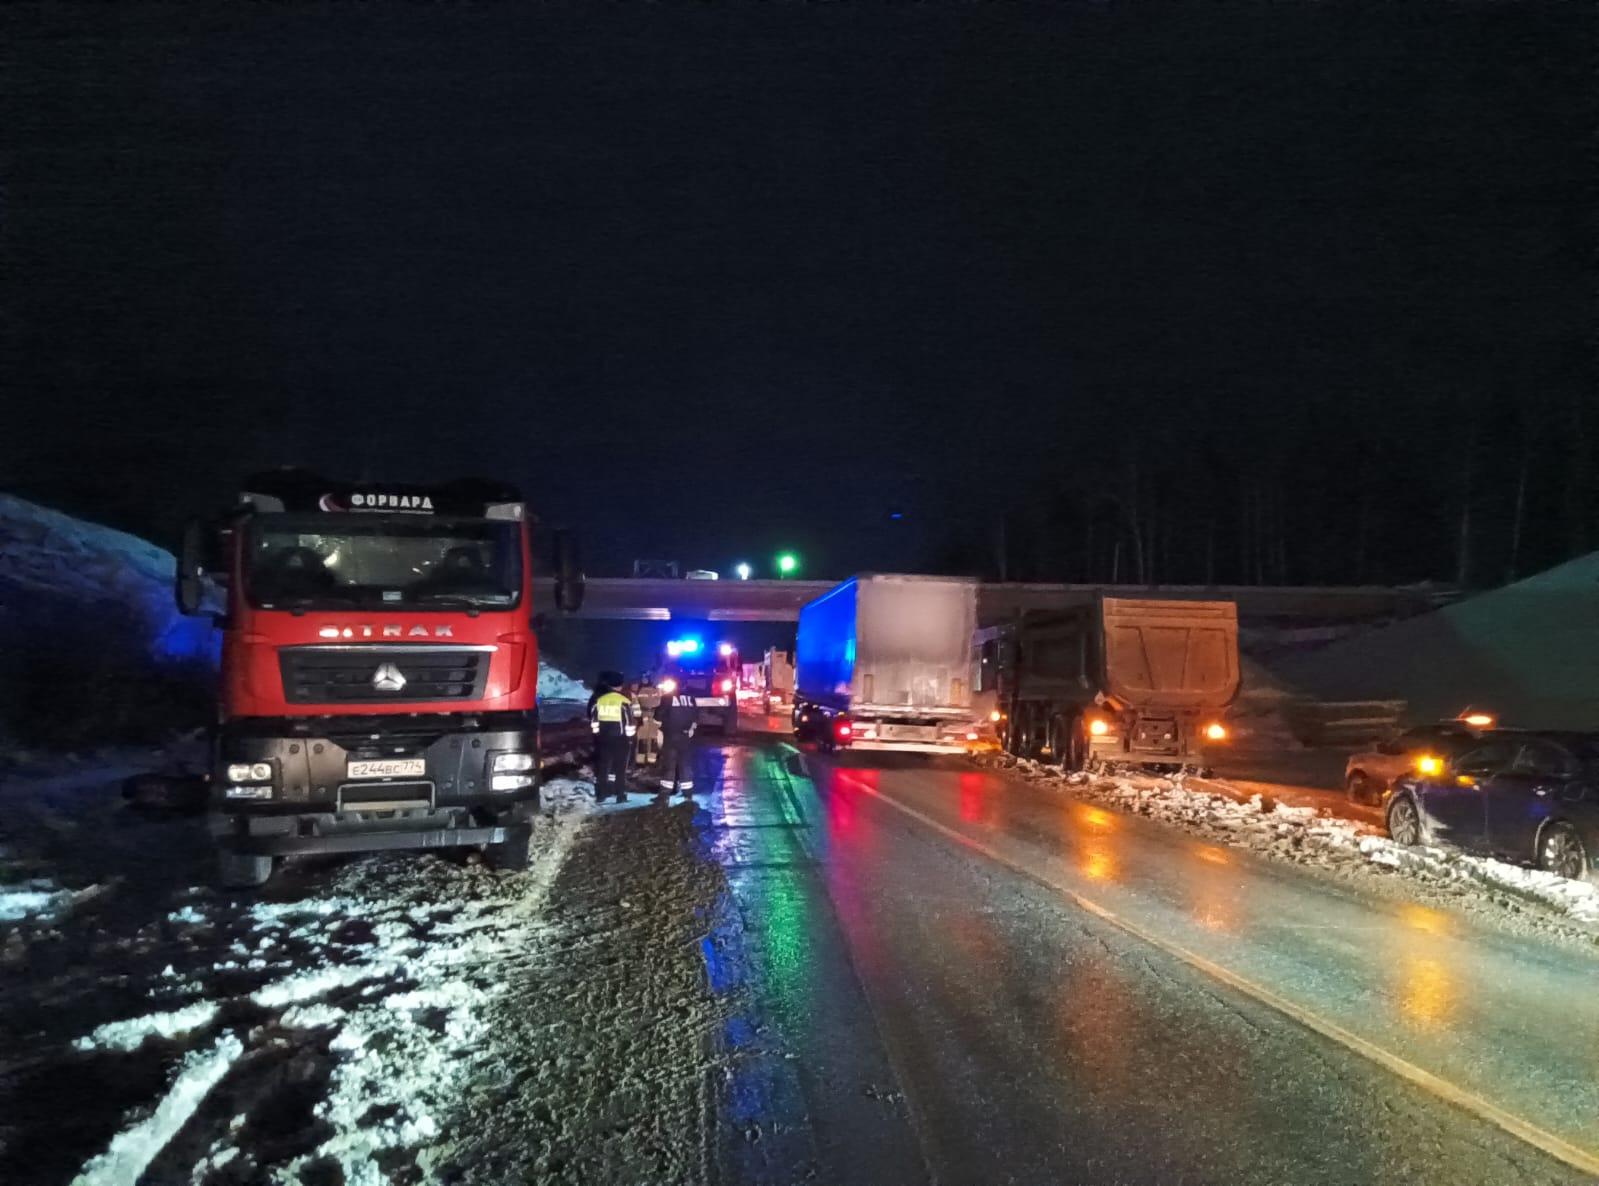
column 379, row 683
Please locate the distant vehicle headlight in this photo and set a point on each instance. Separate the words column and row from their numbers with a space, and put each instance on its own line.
column 1099, row 726
column 1429, row 765
column 667, row 685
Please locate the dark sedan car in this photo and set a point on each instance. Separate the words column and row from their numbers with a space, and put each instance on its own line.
column 1524, row 796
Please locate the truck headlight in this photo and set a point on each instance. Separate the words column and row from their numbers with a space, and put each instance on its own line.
column 250, row 772
column 512, row 762
column 510, row 782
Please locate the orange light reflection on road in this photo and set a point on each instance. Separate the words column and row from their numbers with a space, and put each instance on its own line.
column 1097, row 818
column 1098, row 862
column 1433, row 922
column 1212, row 854
column 1426, row 991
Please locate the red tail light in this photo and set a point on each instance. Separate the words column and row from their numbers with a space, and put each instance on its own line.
column 727, row 685
column 842, row 729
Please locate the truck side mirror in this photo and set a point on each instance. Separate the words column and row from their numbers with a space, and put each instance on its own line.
column 190, row 588
column 569, row 581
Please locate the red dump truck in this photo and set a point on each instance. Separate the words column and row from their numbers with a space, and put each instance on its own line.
column 1121, row 680
column 379, row 667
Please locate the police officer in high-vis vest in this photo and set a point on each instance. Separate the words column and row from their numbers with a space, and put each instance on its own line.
column 612, row 719
column 675, row 767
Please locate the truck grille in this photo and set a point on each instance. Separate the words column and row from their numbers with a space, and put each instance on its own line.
column 365, row 674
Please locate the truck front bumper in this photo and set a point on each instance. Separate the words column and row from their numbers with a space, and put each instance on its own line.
column 332, row 791
column 331, row 832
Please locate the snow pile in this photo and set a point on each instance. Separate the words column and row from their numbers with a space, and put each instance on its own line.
column 565, row 795
column 555, row 684
column 36, row 896
column 96, row 650
column 1307, row 835
column 406, row 1001
column 1528, row 652
column 308, row 986
column 384, row 983
column 1256, row 822
column 402, row 1050
column 134, row 1148
column 52, row 565
column 130, row 1034
column 1575, row 899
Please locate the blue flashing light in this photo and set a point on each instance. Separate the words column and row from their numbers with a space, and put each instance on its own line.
column 683, row 646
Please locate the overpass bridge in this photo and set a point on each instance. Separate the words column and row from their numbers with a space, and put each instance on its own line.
column 663, row 600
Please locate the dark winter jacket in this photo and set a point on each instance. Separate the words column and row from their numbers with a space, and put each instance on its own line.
column 677, row 716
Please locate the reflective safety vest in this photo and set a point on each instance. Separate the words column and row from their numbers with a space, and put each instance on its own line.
column 613, row 713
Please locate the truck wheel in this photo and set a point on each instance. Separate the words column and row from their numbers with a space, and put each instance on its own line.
column 1033, row 738
column 1021, row 732
column 1069, row 745
column 512, row 855
column 242, row 870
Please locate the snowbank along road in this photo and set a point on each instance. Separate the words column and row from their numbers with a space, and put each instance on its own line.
column 402, row 1019
column 850, row 970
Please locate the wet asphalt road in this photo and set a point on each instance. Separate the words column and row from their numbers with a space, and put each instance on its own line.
column 937, row 1006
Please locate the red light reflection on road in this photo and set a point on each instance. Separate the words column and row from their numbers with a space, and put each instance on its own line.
column 971, row 792
column 844, row 790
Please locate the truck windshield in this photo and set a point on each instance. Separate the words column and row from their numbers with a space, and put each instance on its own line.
column 338, row 561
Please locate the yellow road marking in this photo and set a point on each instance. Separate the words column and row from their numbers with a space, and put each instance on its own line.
column 1538, row 1138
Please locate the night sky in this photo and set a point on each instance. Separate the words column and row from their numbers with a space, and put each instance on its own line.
column 1289, row 286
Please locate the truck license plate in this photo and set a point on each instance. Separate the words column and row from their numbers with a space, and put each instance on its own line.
column 388, row 768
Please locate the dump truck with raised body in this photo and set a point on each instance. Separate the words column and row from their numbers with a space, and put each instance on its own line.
column 884, row 661
column 1120, row 680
